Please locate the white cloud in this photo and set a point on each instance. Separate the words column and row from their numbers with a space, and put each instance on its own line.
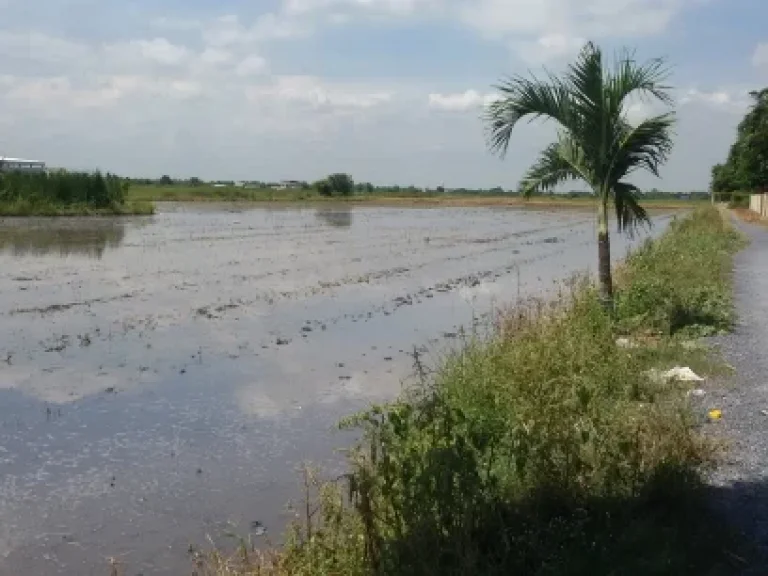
column 315, row 93
column 55, row 95
column 539, row 30
column 732, row 100
column 460, row 102
column 590, row 18
column 271, row 26
column 162, row 51
column 224, row 31
column 227, row 31
column 760, row 55
column 39, row 47
column 639, row 111
column 298, row 7
column 251, row 65
column 215, row 56
column 500, row 17
column 168, row 23
column 549, row 48
column 339, row 18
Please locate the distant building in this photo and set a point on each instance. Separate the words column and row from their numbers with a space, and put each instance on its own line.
column 19, row 165
column 287, row 185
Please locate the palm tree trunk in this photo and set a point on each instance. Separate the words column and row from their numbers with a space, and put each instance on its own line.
column 604, row 255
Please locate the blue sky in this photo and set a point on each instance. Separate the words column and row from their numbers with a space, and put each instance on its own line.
column 390, row 91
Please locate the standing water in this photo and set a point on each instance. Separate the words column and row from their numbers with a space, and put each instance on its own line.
column 162, row 378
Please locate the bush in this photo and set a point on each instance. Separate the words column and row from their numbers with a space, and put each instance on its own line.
column 336, row 185
column 65, row 188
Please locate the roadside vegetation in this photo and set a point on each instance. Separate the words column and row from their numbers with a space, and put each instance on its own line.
column 551, row 447
column 66, row 194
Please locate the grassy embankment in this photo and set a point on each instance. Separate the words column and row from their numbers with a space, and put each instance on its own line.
column 207, row 193
column 548, row 449
column 66, row 194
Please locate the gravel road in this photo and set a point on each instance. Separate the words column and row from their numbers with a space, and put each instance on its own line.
column 740, row 483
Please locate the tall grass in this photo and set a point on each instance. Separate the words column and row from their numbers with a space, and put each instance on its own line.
column 680, row 282
column 64, row 193
column 547, row 449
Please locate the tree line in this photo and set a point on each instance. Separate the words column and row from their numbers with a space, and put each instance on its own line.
column 341, row 184
column 746, row 167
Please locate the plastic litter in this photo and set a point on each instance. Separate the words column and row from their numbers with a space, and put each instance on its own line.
column 697, row 392
column 715, row 414
column 683, row 374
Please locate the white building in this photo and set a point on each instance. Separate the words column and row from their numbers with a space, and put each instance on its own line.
column 287, row 185
column 20, row 165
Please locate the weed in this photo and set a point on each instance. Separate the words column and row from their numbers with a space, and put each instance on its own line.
column 680, row 283
column 66, row 194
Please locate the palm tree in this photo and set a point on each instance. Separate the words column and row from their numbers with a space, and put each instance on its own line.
column 596, row 142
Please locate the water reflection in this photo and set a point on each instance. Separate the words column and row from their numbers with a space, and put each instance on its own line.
column 81, row 237
column 338, row 217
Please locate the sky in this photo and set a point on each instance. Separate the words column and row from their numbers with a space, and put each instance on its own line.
column 389, row 91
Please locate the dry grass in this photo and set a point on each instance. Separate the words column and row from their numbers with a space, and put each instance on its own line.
column 747, row 215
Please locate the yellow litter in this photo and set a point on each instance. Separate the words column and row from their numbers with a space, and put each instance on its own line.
column 715, row 414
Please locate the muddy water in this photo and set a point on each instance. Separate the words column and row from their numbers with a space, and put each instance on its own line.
column 162, row 378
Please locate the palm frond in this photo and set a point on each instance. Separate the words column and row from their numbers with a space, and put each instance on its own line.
column 645, row 146
column 596, row 142
column 585, row 77
column 572, row 151
column 549, row 171
column 585, row 80
column 629, row 214
column 646, row 80
column 522, row 97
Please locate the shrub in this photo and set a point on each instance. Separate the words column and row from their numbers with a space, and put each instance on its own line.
column 64, row 188
column 336, row 185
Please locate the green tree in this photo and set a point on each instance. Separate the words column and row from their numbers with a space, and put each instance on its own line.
column 728, row 177
column 323, row 188
column 341, row 184
column 596, row 143
column 166, row 180
column 747, row 165
column 753, row 140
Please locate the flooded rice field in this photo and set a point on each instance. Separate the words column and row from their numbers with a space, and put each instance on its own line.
column 162, row 378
